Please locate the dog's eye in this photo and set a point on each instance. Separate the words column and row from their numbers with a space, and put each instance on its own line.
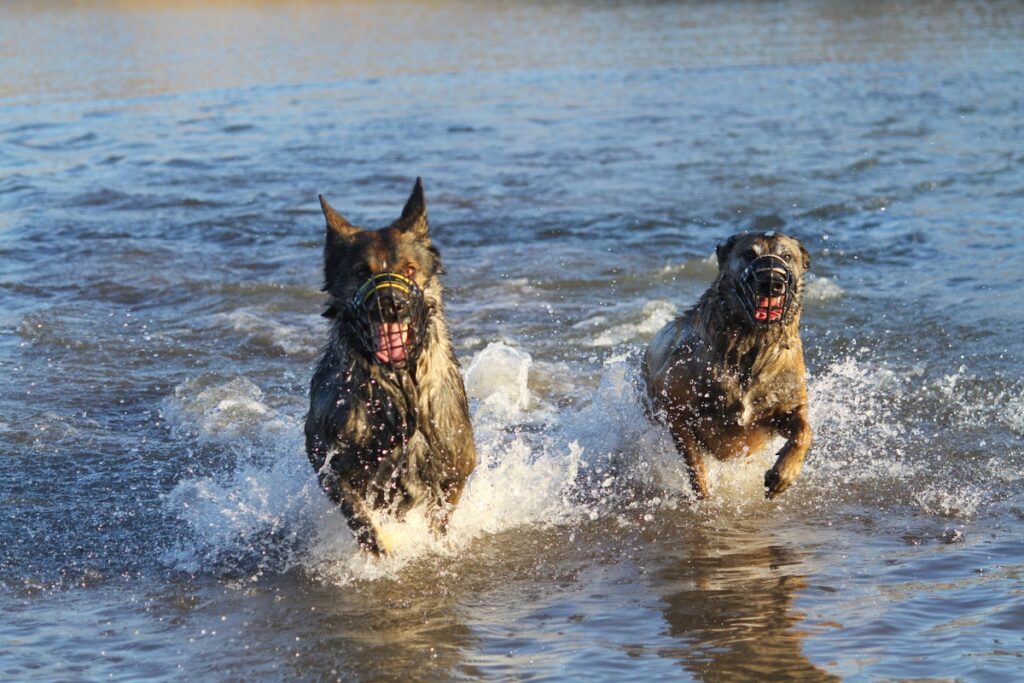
column 410, row 271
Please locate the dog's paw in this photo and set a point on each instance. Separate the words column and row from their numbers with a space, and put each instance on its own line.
column 370, row 543
column 775, row 483
column 372, row 548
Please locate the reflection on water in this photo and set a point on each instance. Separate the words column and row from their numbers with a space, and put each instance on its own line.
column 729, row 599
column 380, row 632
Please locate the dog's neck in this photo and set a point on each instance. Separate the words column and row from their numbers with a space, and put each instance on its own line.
column 731, row 338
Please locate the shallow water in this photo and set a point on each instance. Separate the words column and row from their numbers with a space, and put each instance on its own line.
column 161, row 244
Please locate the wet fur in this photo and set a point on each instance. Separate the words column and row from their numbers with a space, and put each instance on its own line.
column 725, row 386
column 378, row 438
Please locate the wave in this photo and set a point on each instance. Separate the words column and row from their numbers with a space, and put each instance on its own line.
column 652, row 316
column 261, row 329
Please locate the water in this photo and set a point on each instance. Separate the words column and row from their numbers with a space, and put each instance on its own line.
column 161, row 244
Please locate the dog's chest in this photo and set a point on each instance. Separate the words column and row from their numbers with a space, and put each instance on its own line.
column 748, row 404
column 389, row 420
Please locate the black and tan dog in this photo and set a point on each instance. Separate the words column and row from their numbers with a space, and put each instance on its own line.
column 388, row 425
column 729, row 373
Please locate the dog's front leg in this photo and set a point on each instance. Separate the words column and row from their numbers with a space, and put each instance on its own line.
column 439, row 517
column 351, row 504
column 358, row 521
column 791, row 457
column 688, row 446
column 448, row 497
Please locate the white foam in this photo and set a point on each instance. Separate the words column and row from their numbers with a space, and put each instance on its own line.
column 230, row 514
column 653, row 316
column 536, row 468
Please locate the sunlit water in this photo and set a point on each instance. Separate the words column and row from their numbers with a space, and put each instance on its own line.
column 161, row 245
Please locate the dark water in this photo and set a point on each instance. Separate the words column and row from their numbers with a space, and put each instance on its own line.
column 160, row 242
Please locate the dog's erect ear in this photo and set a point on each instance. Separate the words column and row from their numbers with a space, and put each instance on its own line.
column 416, row 204
column 414, row 215
column 723, row 249
column 336, row 222
column 806, row 258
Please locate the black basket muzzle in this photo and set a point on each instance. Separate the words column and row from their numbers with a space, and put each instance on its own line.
column 389, row 319
column 766, row 290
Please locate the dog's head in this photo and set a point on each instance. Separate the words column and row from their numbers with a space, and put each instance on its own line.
column 383, row 284
column 761, row 277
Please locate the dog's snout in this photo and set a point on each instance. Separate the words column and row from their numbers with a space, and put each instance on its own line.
column 387, row 313
column 390, row 306
column 387, row 301
column 765, row 289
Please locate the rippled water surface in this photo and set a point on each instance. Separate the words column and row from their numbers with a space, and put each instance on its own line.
column 161, row 242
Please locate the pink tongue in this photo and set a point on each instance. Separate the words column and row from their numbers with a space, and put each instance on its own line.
column 769, row 306
column 391, row 339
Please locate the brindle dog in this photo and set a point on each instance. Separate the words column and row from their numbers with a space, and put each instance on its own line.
column 728, row 374
column 388, row 425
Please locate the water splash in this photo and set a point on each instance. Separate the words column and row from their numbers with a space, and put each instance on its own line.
column 821, row 289
column 497, row 377
column 266, row 512
column 210, row 407
column 540, row 467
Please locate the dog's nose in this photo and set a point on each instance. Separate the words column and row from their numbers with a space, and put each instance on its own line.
column 778, row 287
column 391, row 307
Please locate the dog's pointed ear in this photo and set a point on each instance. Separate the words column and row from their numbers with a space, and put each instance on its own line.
column 416, row 204
column 414, row 214
column 336, row 223
column 723, row 248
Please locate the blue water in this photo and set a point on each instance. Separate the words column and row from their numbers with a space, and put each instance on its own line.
column 160, row 242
